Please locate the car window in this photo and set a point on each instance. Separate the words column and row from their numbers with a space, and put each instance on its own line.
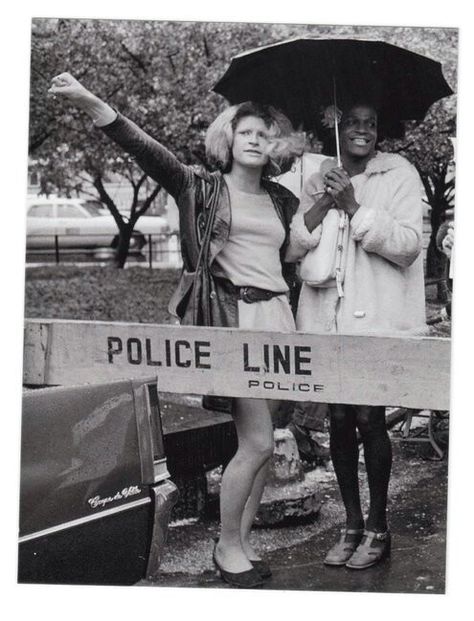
column 70, row 211
column 93, row 209
column 40, row 211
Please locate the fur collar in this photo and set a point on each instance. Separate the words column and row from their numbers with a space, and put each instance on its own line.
column 383, row 162
column 380, row 163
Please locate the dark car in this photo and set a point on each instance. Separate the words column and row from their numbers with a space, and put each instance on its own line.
column 95, row 494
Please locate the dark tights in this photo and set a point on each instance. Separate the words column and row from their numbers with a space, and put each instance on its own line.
column 370, row 422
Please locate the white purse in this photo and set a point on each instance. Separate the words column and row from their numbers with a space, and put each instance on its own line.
column 324, row 265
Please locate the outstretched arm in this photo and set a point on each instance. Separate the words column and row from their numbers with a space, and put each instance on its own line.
column 65, row 85
column 155, row 160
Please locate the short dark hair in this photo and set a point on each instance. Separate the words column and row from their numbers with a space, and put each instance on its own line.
column 386, row 128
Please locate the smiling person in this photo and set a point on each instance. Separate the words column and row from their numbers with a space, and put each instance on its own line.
column 382, row 293
column 249, row 237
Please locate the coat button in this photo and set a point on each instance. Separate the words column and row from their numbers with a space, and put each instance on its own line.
column 212, row 295
column 359, row 314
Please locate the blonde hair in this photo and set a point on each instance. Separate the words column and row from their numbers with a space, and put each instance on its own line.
column 284, row 143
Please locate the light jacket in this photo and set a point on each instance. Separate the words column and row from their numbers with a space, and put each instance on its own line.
column 190, row 186
column 384, row 283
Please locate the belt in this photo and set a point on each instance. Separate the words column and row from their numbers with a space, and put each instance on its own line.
column 248, row 294
column 254, row 294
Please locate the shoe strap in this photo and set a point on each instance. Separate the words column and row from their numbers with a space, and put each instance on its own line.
column 352, row 531
column 371, row 535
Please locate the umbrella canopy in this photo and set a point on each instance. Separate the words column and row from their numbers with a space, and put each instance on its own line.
column 299, row 76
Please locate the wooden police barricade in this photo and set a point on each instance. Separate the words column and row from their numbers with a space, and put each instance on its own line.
column 410, row 372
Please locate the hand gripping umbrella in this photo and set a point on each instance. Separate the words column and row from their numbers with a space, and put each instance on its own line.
column 301, row 76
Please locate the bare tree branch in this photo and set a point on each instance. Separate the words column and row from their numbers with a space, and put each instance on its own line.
column 135, row 58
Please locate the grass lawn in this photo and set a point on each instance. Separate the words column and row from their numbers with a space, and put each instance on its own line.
column 136, row 294
column 99, row 293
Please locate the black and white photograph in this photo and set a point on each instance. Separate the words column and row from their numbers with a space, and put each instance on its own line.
column 238, row 292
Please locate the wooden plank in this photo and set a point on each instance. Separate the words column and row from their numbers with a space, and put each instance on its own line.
column 35, row 352
column 373, row 370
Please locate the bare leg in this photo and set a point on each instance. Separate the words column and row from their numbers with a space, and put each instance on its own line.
column 255, row 497
column 251, row 509
column 255, row 437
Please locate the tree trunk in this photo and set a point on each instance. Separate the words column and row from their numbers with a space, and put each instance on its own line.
column 435, row 259
column 123, row 245
column 125, row 227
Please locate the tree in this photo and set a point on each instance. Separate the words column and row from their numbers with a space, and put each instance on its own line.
column 430, row 149
column 161, row 74
column 69, row 153
column 428, row 145
column 141, row 68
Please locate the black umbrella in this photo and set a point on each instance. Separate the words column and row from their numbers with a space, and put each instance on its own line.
column 300, row 76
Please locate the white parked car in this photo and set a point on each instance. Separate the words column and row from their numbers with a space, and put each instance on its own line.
column 75, row 223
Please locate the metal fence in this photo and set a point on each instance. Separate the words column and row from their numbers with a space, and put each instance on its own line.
column 161, row 250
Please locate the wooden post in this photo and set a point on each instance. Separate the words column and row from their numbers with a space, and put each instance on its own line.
column 56, row 248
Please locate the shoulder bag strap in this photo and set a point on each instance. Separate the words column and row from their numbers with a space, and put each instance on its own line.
column 202, row 275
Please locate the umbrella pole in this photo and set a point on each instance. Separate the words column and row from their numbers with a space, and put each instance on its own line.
column 338, row 148
column 301, row 173
column 336, row 125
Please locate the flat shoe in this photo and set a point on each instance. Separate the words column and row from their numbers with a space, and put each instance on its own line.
column 249, row 579
column 372, row 549
column 263, row 568
column 342, row 551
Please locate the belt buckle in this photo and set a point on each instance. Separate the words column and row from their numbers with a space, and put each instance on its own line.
column 244, row 295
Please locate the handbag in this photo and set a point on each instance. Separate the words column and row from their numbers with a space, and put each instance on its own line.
column 203, row 282
column 324, row 266
column 203, row 298
column 191, row 302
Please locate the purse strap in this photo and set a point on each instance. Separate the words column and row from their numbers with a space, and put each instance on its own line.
column 343, row 222
column 202, row 268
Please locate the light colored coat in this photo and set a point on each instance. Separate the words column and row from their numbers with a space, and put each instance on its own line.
column 384, row 284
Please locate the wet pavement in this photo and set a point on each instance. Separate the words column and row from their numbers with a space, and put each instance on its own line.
column 418, row 505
